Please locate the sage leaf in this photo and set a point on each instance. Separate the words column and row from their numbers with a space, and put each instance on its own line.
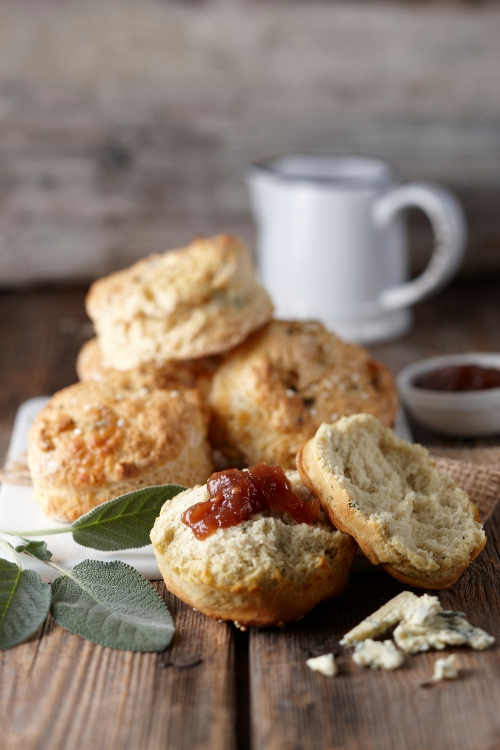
column 125, row 521
column 38, row 549
column 110, row 603
column 24, row 603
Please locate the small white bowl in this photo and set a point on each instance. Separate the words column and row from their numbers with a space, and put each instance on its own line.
column 460, row 413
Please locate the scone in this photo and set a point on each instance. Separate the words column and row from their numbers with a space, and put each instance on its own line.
column 93, row 442
column 192, row 373
column 273, row 391
column 388, row 494
column 187, row 303
column 265, row 570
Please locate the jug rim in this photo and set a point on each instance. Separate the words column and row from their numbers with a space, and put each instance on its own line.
column 355, row 171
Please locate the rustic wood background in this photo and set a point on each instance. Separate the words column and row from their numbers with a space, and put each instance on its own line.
column 126, row 126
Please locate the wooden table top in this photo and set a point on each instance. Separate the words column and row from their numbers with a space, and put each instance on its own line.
column 217, row 687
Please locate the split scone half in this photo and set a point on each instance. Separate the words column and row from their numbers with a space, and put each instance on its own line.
column 93, row 441
column 186, row 303
column 266, row 570
column 388, row 494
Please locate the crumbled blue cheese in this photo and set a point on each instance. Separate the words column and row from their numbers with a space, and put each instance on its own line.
column 377, row 654
column 438, row 630
column 325, row 664
column 382, row 619
column 423, row 625
column 445, row 669
column 420, row 609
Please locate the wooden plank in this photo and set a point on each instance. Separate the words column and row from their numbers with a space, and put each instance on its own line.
column 127, row 127
column 59, row 691
column 40, row 334
column 464, row 317
column 293, row 707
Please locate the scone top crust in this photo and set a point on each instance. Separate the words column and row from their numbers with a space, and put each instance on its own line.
column 93, row 434
column 258, row 553
column 172, row 374
column 274, row 390
column 388, row 494
column 205, row 295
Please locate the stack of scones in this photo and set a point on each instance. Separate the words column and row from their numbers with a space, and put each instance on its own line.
column 188, row 364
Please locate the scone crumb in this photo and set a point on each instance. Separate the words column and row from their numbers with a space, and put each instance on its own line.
column 238, row 625
column 445, row 668
column 325, row 664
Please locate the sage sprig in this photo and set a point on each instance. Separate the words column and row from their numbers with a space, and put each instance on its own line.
column 121, row 523
column 109, row 603
column 24, row 603
column 37, row 549
column 125, row 521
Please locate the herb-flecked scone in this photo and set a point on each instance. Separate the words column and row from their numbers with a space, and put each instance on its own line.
column 92, row 442
column 186, row 303
column 172, row 374
column 388, row 494
column 273, row 391
column 264, row 570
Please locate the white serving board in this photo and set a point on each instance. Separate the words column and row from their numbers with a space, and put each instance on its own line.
column 19, row 511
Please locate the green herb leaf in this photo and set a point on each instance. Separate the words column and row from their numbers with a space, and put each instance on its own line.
column 38, row 549
column 125, row 521
column 24, row 603
column 110, row 603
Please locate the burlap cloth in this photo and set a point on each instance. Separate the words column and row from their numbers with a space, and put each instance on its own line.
column 476, row 470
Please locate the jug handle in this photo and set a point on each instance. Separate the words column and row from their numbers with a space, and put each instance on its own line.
column 449, row 227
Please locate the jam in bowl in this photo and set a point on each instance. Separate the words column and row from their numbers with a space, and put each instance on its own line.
column 456, row 394
column 456, row 378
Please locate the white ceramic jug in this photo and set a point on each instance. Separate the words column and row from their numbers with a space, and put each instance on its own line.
column 332, row 244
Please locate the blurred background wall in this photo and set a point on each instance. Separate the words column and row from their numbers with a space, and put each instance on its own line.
column 126, row 126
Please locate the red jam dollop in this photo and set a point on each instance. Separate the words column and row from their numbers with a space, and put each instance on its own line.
column 235, row 496
column 459, row 378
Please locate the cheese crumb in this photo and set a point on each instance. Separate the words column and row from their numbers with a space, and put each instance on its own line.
column 445, row 669
column 325, row 664
column 377, row 655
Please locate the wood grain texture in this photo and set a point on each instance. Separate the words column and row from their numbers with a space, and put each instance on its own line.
column 293, row 707
column 59, row 691
column 251, row 690
column 127, row 127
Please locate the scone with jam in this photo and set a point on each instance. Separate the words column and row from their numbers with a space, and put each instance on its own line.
column 251, row 546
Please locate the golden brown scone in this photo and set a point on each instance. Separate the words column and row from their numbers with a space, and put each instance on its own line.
column 93, row 442
column 264, row 571
column 192, row 373
column 273, row 391
column 388, row 494
column 187, row 303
